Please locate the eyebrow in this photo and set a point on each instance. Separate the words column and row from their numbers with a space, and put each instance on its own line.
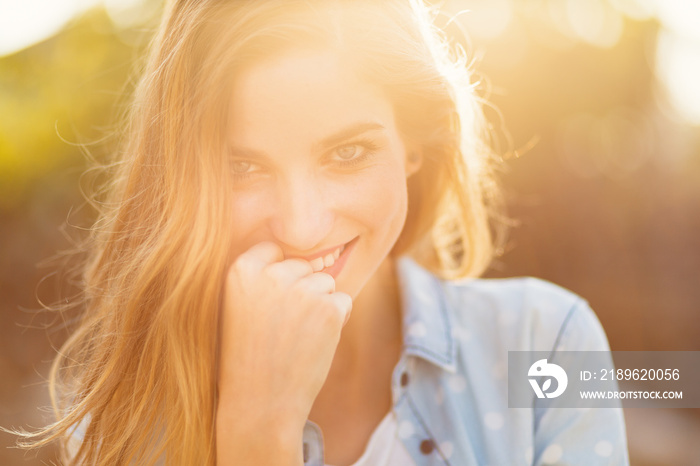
column 349, row 132
column 327, row 142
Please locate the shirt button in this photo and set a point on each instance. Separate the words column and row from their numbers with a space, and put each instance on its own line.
column 306, row 452
column 427, row 446
column 404, row 379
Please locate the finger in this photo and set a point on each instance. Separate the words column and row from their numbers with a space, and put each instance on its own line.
column 290, row 270
column 318, row 282
column 343, row 303
column 261, row 255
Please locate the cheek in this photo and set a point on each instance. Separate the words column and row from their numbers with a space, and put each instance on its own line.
column 247, row 213
column 378, row 198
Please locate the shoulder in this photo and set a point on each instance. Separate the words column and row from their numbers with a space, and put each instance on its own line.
column 523, row 313
column 466, row 328
column 526, row 313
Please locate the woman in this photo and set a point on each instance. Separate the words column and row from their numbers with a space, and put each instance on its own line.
column 272, row 280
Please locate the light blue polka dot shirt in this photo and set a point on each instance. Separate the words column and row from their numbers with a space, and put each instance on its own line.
column 450, row 391
column 450, row 386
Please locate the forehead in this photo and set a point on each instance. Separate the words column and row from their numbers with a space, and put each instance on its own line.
column 301, row 96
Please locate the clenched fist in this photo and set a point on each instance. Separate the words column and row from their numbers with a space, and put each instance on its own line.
column 280, row 326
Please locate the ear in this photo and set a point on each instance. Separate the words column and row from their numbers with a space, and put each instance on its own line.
column 414, row 160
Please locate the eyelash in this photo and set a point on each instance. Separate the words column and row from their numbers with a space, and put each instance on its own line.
column 368, row 150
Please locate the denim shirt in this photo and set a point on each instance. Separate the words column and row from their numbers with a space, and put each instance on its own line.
column 449, row 388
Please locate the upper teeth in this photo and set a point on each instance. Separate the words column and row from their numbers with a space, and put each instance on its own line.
column 326, row 261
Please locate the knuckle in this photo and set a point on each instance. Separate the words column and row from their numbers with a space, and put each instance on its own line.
column 333, row 315
column 263, row 247
column 268, row 250
column 287, row 270
column 242, row 263
column 273, row 273
column 234, row 271
column 301, row 265
column 272, row 270
column 328, row 305
column 346, row 300
column 325, row 280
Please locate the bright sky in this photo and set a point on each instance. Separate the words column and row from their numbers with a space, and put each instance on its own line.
column 25, row 22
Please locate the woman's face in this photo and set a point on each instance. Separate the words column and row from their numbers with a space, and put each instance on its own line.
column 317, row 165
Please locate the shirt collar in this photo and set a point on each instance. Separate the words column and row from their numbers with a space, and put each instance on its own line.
column 427, row 322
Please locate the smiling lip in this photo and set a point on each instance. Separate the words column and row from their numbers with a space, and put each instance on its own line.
column 323, row 253
column 331, row 260
column 335, row 269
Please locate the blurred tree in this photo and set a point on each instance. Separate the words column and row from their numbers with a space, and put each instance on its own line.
column 57, row 95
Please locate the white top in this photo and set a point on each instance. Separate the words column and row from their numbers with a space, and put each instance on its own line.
column 384, row 447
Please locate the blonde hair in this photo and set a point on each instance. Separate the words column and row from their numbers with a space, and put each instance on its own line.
column 140, row 370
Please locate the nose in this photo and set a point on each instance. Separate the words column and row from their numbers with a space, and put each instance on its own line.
column 304, row 217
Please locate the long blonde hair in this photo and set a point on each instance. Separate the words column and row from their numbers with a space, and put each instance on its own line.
column 140, row 370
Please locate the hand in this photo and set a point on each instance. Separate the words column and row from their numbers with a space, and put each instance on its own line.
column 280, row 327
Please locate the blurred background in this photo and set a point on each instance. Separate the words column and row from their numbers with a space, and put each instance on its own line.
column 596, row 110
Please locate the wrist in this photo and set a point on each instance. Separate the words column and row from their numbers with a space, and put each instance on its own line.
column 250, row 425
